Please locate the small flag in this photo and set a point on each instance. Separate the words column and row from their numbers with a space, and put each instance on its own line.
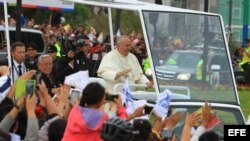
column 118, row 33
column 126, row 95
column 162, row 104
column 100, row 38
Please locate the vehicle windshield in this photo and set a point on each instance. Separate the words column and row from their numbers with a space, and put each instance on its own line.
column 183, row 59
column 189, row 50
column 224, row 116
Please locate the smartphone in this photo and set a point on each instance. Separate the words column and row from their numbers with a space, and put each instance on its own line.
column 37, row 76
column 165, row 133
column 30, row 87
column 148, row 109
column 74, row 95
column 111, row 97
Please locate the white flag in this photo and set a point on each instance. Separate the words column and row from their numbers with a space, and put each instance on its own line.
column 162, row 104
column 100, row 38
column 130, row 104
column 118, row 33
column 126, row 95
column 78, row 80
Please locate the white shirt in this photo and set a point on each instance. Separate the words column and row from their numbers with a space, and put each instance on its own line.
column 15, row 70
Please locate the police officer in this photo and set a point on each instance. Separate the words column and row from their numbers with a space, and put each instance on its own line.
column 82, row 62
column 245, row 63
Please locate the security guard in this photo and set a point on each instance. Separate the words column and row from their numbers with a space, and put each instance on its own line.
column 245, row 63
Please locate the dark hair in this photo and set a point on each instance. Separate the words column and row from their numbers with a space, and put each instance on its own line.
column 56, row 130
column 142, row 129
column 16, row 44
column 92, row 94
column 209, row 136
column 32, row 45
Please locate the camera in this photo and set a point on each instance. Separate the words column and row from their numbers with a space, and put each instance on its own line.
column 148, row 109
column 80, row 42
column 111, row 97
column 67, row 45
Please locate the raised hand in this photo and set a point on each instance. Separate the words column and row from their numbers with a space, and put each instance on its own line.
column 31, row 105
column 28, row 75
column 207, row 114
column 172, row 120
column 4, row 70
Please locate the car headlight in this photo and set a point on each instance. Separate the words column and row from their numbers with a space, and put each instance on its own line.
column 184, row 76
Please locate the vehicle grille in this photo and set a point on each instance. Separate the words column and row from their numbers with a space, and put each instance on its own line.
column 166, row 75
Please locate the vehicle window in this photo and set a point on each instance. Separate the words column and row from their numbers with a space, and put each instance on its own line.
column 27, row 37
column 185, row 60
column 189, row 50
column 3, row 48
column 2, row 38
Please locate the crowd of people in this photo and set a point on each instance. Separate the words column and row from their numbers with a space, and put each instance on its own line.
column 39, row 117
column 49, row 115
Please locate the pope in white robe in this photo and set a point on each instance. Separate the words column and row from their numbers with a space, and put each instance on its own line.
column 120, row 64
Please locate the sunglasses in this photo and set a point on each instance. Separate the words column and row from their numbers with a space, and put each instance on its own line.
column 50, row 51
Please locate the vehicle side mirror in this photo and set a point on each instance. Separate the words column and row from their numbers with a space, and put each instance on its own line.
column 215, row 67
column 161, row 62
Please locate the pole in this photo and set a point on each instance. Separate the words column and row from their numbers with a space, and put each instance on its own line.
column 117, row 20
column 230, row 22
column 7, row 35
column 206, row 5
column 158, row 2
column 245, row 21
column 111, row 29
column 18, row 19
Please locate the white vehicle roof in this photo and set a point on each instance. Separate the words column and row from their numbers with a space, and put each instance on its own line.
column 136, row 5
column 22, row 29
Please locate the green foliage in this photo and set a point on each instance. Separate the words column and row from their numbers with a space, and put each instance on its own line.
column 233, row 44
column 130, row 21
column 84, row 14
column 244, row 102
column 80, row 15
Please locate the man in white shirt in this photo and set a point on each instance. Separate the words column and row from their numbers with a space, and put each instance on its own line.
column 120, row 64
column 18, row 56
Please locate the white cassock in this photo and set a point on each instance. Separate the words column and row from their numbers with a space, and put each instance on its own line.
column 114, row 62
